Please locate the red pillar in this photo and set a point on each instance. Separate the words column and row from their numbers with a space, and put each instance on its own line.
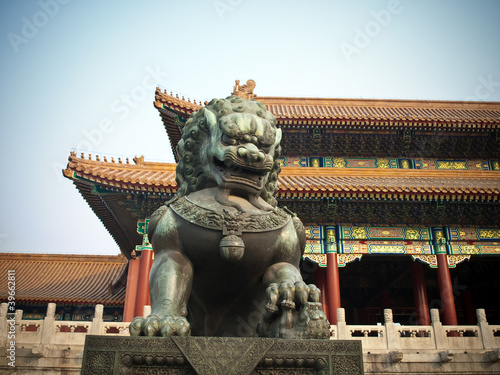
column 143, row 281
column 420, row 294
column 131, row 290
column 320, row 281
column 332, row 276
column 446, row 290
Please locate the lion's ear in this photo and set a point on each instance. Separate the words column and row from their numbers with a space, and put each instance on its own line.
column 210, row 118
column 277, row 139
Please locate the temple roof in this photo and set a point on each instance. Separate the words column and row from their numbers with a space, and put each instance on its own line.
column 364, row 127
column 141, row 176
column 398, row 183
column 381, row 112
column 410, row 111
column 65, row 278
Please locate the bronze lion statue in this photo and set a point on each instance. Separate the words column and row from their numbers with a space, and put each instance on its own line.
column 226, row 257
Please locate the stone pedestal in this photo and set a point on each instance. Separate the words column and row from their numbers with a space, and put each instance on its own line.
column 219, row 356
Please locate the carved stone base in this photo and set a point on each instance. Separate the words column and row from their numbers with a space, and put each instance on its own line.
column 219, row 356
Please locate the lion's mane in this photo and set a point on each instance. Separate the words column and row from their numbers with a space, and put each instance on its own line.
column 191, row 172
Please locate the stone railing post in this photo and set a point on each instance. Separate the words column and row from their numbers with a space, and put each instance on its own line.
column 3, row 324
column 486, row 333
column 342, row 333
column 391, row 334
column 49, row 325
column 437, row 328
column 47, row 338
column 19, row 317
column 97, row 323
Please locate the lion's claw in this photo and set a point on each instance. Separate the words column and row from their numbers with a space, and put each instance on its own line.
column 292, row 310
column 302, row 292
column 153, row 325
column 171, row 326
column 314, row 293
column 135, row 326
column 150, row 326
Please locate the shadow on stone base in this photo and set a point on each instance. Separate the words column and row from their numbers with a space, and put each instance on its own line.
column 219, row 356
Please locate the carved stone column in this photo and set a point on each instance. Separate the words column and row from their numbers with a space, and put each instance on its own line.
column 391, row 333
column 437, row 328
column 48, row 329
column 3, row 323
column 97, row 322
column 486, row 332
column 342, row 333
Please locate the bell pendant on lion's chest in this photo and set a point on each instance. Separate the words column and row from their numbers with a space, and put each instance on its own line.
column 231, row 246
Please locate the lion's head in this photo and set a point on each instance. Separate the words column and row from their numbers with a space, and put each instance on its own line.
column 230, row 143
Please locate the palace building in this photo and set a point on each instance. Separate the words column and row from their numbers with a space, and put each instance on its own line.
column 400, row 199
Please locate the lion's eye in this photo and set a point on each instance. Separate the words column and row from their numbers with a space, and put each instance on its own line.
column 227, row 140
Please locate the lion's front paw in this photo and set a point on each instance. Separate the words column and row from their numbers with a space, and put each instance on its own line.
column 293, row 311
column 154, row 325
column 288, row 294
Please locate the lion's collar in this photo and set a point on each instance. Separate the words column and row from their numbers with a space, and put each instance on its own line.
column 217, row 219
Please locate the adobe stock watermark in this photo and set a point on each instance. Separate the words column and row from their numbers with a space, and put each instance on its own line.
column 485, row 88
column 120, row 107
column 11, row 318
column 365, row 35
column 31, row 26
column 221, row 7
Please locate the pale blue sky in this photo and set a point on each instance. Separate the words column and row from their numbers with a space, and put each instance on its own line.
column 67, row 67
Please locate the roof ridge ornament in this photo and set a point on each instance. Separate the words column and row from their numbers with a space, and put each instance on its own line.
column 139, row 160
column 244, row 91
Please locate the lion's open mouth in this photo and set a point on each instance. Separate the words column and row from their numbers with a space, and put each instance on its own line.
column 235, row 173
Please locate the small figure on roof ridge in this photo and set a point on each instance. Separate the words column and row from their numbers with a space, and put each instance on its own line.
column 244, row 91
column 139, row 160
